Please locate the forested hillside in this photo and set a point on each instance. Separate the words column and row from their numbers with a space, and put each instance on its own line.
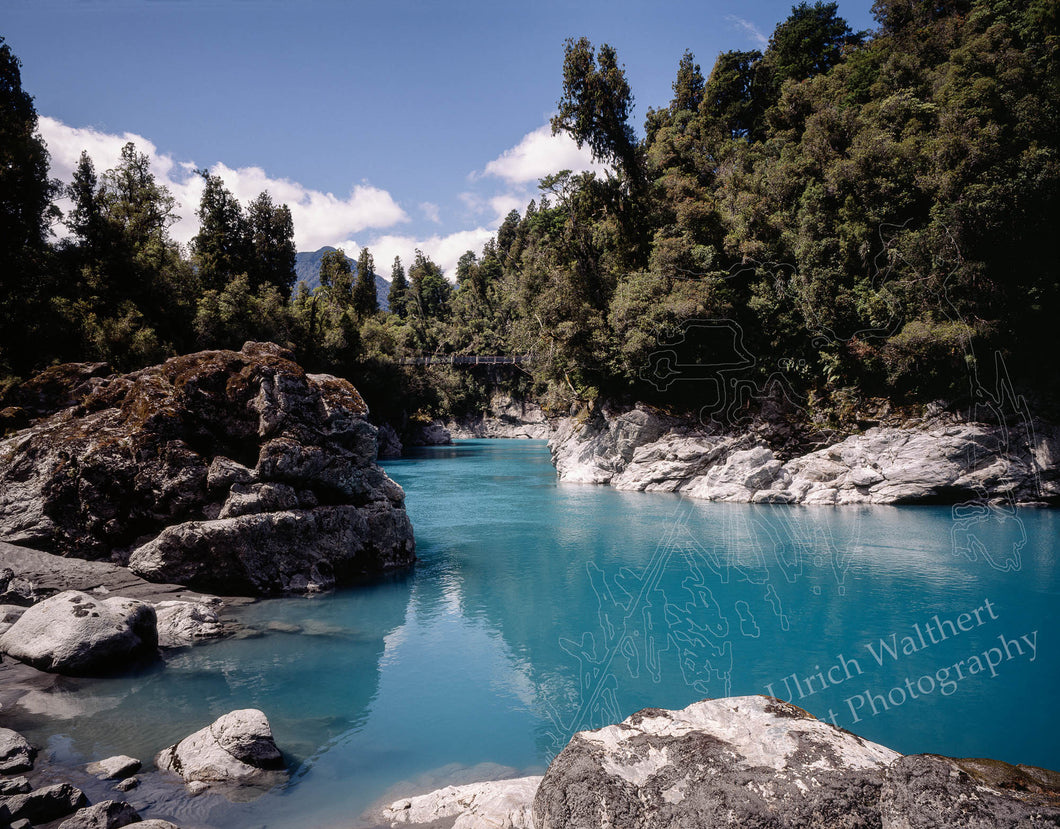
column 861, row 215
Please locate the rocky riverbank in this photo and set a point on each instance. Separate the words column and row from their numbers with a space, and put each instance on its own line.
column 937, row 460
column 741, row 762
column 228, row 471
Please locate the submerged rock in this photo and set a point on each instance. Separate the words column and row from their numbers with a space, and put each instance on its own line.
column 183, row 623
column 237, row 748
column 188, row 469
column 117, row 768
column 76, row 634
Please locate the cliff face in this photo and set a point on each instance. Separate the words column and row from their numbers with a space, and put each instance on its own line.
column 940, row 462
column 229, row 471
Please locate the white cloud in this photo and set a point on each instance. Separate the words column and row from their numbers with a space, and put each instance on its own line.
column 319, row 218
column 750, row 29
column 540, row 153
column 431, row 211
column 444, row 250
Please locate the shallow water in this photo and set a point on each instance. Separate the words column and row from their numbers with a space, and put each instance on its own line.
column 538, row 609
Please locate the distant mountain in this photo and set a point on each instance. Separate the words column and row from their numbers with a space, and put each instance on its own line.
column 307, row 270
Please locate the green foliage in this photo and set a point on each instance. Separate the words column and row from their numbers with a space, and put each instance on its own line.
column 399, row 288
column 365, row 302
column 596, row 105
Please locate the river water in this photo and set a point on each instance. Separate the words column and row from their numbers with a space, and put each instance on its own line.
column 538, row 609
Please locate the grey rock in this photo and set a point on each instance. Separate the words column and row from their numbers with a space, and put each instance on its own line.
column 42, row 805
column 182, row 623
column 743, row 761
column 929, row 792
column 14, row 785
column 117, row 767
column 760, row 762
column 128, row 784
column 505, row 417
column 388, row 442
column 158, row 456
column 16, row 754
column 236, row 748
column 9, row 614
column 945, row 462
column 155, row 823
column 295, row 551
column 76, row 634
column 429, row 434
column 247, row 499
column 107, row 814
column 21, row 824
column 224, row 472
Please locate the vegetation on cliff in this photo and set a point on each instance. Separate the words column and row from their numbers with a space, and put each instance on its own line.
column 841, row 216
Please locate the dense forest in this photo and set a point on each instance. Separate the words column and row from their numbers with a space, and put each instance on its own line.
column 841, row 218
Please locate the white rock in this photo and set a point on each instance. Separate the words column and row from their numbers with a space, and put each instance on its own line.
column 117, row 767
column 504, row 804
column 236, row 748
column 76, row 634
column 183, row 623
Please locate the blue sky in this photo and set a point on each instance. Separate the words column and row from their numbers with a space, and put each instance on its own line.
column 389, row 124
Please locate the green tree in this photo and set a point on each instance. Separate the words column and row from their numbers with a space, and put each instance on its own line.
column 429, row 290
column 26, row 214
column 272, row 249
column 399, row 286
column 221, row 249
column 688, row 87
column 596, row 105
column 365, row 301
column 337, row 277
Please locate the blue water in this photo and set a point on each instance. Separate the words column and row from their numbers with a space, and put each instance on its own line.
column 538, row 609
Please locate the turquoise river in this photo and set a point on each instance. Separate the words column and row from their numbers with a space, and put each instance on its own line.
column 538, row 609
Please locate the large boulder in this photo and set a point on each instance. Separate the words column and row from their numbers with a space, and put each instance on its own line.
column 42, row 805
column 16, row 754
column 214, row 452
column 760, row 762
column 76, row 634
column 107, row 814
column 237, row 748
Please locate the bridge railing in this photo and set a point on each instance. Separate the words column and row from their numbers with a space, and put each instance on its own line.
column 468, row 360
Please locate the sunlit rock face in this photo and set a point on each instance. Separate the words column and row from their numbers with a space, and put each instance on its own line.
column 945, row 462
column 231, row 471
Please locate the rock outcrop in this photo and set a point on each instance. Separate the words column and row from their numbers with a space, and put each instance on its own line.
column 76, row 634
column 744, row 762
column 944, row 462
column 237, row 748
column 234, row 472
